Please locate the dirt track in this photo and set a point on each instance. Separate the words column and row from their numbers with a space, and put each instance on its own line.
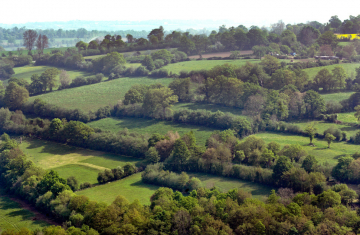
column 220, row 54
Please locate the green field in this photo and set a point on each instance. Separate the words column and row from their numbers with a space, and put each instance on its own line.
column 208, row 107
column 320, row 150
column 203, row 64
column 224, row 184
column 349, row 69
column 13, row 216
column 84, row 164
column 344, row 43
column 150, row 126
column 322, row 126
column 337, row 96
column 92, row 97
column 348, row 117
column 25, row 72
column 130, row 187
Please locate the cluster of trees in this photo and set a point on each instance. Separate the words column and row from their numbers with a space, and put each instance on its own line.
column 203, row 211
column 7, row 64
column 155, row 174
column 116, row 173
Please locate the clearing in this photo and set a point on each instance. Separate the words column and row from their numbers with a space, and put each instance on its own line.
column 68, row 161
column 143, row 126
column 92, row 97
column 320, row 150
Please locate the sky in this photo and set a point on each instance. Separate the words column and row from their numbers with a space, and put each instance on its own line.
column 247, row 12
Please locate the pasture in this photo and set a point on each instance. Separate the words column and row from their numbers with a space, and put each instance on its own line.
column 220, row 54
column 337, row 96
column 204, row 64
column 322, row 126
column 348, row 117
column 92, row 97
column 68, row 161
column 14, row 216
column 320, row 150
column 225, row 184
column 208, row 107
column 150, row 126
column 130, row 187
column 348, row 67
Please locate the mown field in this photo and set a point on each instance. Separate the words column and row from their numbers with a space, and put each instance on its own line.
column 320, row 150
column 322, row 126
column 13, row 216
column 349, row 69
column 141, row 125
column 84, row 164
column 92, row 97
column 337, row 96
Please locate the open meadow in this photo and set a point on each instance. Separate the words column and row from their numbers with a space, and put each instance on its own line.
column 320, row 150
column 14, row 216
column 84, row 164
column 339, row 96
column 322, row 126
column 150, row 126
column 348, row 67
column 208, row 107
column 92, row 97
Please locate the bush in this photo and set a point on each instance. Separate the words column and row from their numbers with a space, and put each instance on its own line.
column 161, row 73
column 85, row 185
column 335, row 132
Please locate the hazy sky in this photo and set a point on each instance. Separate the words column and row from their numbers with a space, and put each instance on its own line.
column 257, row 12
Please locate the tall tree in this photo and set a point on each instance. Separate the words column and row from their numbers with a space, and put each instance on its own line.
column 48, row 78
column 15, row 95
column 129, row 38
column 29, row 37
column 41, row 43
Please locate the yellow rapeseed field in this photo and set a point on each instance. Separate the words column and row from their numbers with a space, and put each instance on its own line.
column 352, row 36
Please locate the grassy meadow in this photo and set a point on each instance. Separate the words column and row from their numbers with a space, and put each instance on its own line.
column 130, row 187
column 84, row 164
column 13, row 216
column 92, row 97
column 141, row 125
column 348, row 117
column 337, row 96
column 225, row 184
column 204, row 64
column 208, row 107
column 348, row 67
column 320, row 150
column 322, row 126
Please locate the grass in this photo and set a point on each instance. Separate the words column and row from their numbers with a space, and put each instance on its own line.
column 348, row 67
column 130, row 187
column 13, row 216
column 322, row 126
column 48, row 50
column 344, row 43
column 84, row 164
column 348, row 117
column 203, row 64
column 150, row 126
column 320, row 151
column 208, row 107
column 225, row 184
column 337, row 96
column 25, row 72
column 92, row 97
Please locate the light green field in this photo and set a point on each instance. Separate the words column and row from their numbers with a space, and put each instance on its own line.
column 84, row 164
column 320, row 150
column 337, row 96
column 208, row 107
column 322, row 126
column 349, row 69
column 344, row 43
column 25, row 72
column 150, row 126
column 204, row 64
column 225, row 184
column 13, row 216
column 130, row 187
column 92, row 97
column 348, row 117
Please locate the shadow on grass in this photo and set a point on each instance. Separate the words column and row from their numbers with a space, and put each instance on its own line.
column 50, row 147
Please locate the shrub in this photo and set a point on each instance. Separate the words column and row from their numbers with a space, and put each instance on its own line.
column 85, row 185
column 161, row 73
